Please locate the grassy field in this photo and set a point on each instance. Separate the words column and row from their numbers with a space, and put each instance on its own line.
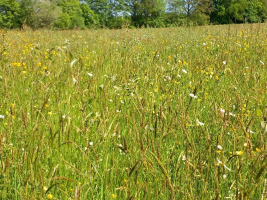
column 175, row 113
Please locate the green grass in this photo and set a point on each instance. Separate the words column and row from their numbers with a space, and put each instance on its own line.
column 132, row 128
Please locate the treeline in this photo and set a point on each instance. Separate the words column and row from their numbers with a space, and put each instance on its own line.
column 69, row 14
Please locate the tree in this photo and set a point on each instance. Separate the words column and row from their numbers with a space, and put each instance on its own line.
column 190, row 6
column 256, row 10
column 47, row 13
column 102, row 8
column 196, row 10
column 64, row 21
column 90, row 18
column 228, row 11
column 148, row 12
column 72, row 14
column 237, row 9
column 9, row 14
column 27, row 12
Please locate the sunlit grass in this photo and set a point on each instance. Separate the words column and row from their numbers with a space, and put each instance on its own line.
column 174, row 113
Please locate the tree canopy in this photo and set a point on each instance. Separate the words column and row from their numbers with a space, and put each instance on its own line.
column 69, row 14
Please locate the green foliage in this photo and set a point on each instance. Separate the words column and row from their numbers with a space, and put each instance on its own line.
column 199, row 18
column 47, row 13
column 74, row 13
column 237, row 10
column 69, row 14
column 147, row 12
column 173, row 19
column 102, row 8
column 90, row 18
column 197, row 11
column 256, row 11
column 119, row 22
column 27, row 9
column 64, row 21
column 9, row 14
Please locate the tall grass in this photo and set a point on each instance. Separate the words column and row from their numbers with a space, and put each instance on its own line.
column 175, row 113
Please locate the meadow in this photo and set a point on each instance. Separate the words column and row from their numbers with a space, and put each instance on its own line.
column 175, row 113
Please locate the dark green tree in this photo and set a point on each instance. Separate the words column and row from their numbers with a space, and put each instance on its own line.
column 102, row 8
column 148, row 12
column 90, row 17
column 9, row 14
column 237, row 10
column 229, row 11
column 197, row 11
column 72, row 14
column 27, row 10
column 256, row 10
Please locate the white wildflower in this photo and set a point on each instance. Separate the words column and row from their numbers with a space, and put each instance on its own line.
column 222, row 110
column 227, row 168
column 219, row 147
column 192, row 95
column 219, row 162
column 91, row 143
column 184, row 71
column 90, row 74
column 250, row 131
column 2, row 116
column 199, row 123
column 167, row 77
column 233, row 115
column 224, row 62
column 74, row 80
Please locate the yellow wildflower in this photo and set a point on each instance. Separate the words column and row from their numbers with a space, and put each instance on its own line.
column 239, row 153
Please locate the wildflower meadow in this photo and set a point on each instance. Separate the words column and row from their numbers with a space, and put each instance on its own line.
column 174, row 113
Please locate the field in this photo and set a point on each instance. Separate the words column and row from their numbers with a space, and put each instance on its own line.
column 175, row 113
